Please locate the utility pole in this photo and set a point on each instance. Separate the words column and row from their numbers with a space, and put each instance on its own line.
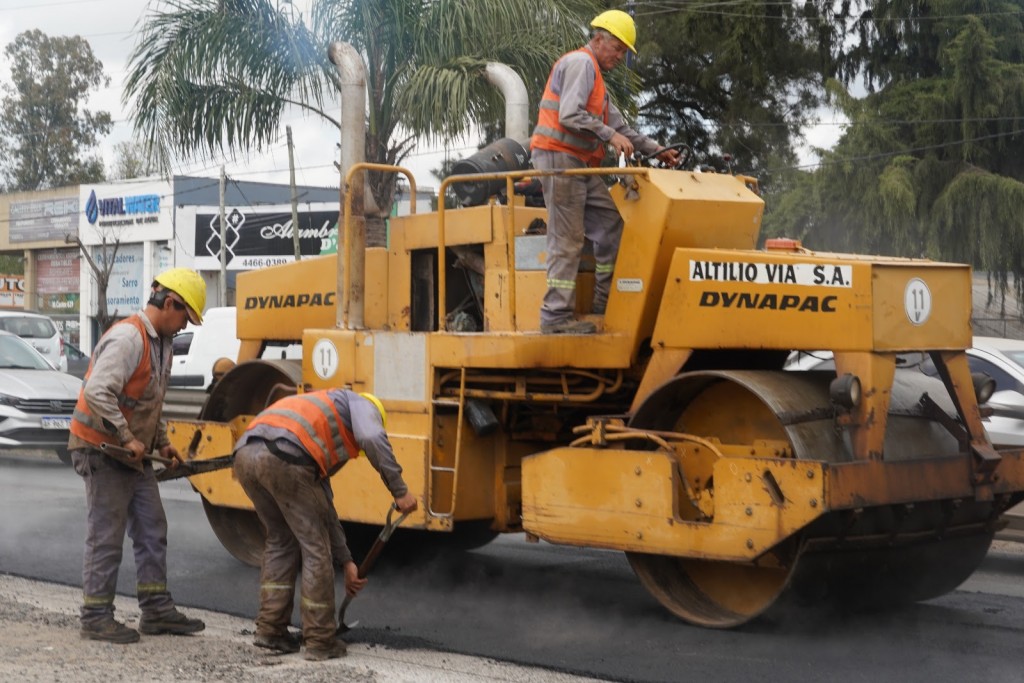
column 295, row 196
column 630, row 57
column 223, row 242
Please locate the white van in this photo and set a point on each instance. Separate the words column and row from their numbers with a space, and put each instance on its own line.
column 197, row 348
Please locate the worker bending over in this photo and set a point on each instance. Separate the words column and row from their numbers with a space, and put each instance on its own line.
column 284, row 461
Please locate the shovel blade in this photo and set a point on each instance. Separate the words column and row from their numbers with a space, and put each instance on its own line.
column 345, row 628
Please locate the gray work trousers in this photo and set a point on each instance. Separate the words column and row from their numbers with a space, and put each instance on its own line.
column 579, row 207
column 293, row 507
column 119, row 498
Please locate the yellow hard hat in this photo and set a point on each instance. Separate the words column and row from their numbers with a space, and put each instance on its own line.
column 380, row 406
column 189, row 285
column 619, row 24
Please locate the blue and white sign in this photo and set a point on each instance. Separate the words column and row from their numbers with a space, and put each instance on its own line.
column 127, row 290
column 125, row 212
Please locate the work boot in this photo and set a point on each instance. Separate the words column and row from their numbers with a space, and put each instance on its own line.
column 335, row 650
column 286, row 643
column 169, row 622
column 598, row 309
column 571, row 326
column 109, row 630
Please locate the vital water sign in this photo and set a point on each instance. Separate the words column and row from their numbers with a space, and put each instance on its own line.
column 122, row 210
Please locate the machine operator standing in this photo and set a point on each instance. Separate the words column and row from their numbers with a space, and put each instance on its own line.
column 576, row 120
column 120, row 403
column 284, row 461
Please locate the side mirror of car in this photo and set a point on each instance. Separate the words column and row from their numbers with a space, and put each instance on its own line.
column 1007, row 403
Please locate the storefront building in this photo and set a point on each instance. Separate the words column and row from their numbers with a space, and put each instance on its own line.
column 39, row 232
column 59, row 238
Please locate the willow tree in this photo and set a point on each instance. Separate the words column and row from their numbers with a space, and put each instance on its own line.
column 932, row 162
column 211, row 77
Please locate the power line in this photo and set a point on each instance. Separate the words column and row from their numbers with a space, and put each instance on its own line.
column 711, row 9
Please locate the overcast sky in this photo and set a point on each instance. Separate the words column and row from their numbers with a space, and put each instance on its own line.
column 110, row 27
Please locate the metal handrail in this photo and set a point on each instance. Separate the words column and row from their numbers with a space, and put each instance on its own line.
column 347, row 212
column 509, row 177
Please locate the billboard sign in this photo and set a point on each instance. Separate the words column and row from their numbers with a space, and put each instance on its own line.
column 43, row 220
column 257, row 239
column 58, row 281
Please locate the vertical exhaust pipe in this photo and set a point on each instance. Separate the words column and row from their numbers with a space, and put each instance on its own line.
column 517, row 100
column 352, row 74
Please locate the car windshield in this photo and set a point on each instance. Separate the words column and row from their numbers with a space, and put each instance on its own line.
column 1016, row 356
column 28, row 327
column 16, row 354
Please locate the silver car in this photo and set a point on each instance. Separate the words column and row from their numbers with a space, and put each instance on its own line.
column 1000, row 359
column 36, row 401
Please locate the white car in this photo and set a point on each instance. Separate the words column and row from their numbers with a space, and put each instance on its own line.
column 39, row 331
column 36, row 401
column 197, row 348
column 1000, row 359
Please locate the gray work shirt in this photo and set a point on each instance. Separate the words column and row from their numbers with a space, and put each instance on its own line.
column 114, row 361
column 363, row 419
column 572, row 79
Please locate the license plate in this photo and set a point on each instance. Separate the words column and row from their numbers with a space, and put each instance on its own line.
column 56, row 422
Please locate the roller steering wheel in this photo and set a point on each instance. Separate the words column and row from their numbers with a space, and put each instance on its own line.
column 684, row 154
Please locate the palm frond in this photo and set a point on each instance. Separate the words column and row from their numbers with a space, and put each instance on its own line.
column 215, row 75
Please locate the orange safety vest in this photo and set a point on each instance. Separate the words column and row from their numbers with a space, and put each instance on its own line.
column 314, row 420
column 552, row 135
column 84, row 424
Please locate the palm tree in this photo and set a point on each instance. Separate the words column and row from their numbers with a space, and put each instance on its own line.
column 214, row 76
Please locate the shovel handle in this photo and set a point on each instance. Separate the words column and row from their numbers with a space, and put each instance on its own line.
column 378, row 545
column 371, row 558
column 130, row 454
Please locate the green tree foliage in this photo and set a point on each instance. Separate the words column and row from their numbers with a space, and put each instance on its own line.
column 738, row 78
column 214, row 76
column 931, row 162
column 45, row 131
column 132, row 160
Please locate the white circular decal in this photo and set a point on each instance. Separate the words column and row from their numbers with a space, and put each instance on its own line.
column 325, row 358
column 917, row 301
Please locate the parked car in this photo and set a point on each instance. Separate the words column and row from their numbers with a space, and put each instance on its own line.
column 36, row 401
column 77, row 360
column 38, row 330
column 197, row 348
column 1003, row 361
column 1000, row 359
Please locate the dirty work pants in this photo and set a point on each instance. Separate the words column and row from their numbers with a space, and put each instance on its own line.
column 578, row 207
column 293, row 507
column 119, row 498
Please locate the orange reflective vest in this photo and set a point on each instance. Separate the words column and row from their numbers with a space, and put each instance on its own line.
column 314, row 420
column 552, row 135
column 87, row 426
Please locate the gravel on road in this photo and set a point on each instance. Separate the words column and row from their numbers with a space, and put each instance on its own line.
column 40, row 641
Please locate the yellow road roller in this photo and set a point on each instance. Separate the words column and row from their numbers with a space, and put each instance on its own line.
column 673, row 434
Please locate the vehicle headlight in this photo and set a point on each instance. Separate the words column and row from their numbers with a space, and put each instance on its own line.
column 6, row 400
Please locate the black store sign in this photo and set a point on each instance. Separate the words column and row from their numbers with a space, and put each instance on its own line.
column 257, row 240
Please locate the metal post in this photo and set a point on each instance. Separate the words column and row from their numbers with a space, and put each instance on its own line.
column 223, row 242
column 295, row 195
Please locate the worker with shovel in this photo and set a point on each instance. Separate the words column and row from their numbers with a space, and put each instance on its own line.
column 117, row 421
column 284, row 462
